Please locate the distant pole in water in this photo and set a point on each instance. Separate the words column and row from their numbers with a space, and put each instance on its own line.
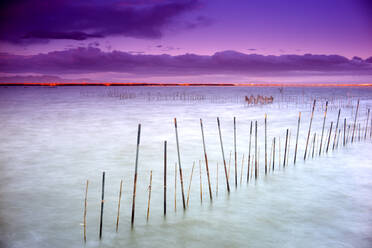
column 102, row 203
column 298, row 131
column 314, row 144
column 148, row 202
column 356, row 115
column 188, row 192
column 235, row 156
column 201, row 183
column 206, row 159
column 321, row 137
column 165, row 177
column 223, row 155
column 279, row 153
column 338, row 118
column 179, row 165
column 265, row 143
column 249, row 153
column 135, row 175
column 365, row 133
column 344, row 131
column 270, row 157
column 285, row 148
column 329, row 137
column 175, row 187
column 118, row 215
column 255, row 145
column 289, row 147
column 273, row 153
column 308, row 134
column 85, row 211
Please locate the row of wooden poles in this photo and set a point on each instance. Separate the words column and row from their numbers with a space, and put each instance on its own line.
column 252, row 160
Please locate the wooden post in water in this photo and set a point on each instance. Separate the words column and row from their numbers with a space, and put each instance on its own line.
column 356, row 115
column 329, row 136
column 289, row 147
column 148, row 202
column 338, row 118
column 118, row 215
column 255, row 145
column 223, row 155
column 135, row 175
column 241, row 172
column 298, row 131
column 321, row 137
column 85, row 211
column 265, row 144
column 308, row 134
column 285, row 148
column 314, row 144
column 344, row 131
column 279, row 153
column 365, row 133
column 179, row 165
column 102, row 203
column 249, row 152
column 273, row 153
column 235, row 156
column 165, row 178
column 188, row 192
column 206, row 159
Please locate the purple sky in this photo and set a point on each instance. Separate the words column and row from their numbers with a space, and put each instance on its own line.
column 187, row 41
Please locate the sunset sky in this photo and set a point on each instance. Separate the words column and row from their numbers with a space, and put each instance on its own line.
column 186, row 41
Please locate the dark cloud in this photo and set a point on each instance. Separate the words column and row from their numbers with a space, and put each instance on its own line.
column 92, row 60
column 40, row 20
column 40, row 79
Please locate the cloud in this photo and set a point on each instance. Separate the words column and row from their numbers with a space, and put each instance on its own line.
column 94, row 60
column 40, row 21
column 39, row 79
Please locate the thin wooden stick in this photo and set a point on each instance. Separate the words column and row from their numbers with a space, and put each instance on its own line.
column 338, row 118
column 338, row 137
column 102, row 203
column 85, row 211
column 255, row 145
column 188, row 192
column 265, row 144
column 314, row 145
column 279, row 154
column 356, row 115
column 175, row 187
column 148, row 202
column 273, row 153
column 344, row 131
column 206, row 160
column 249, row 153
column 223, row 155
column 235, row 156
column 179, row 165
column 285, row 148
column 165, row 178
column 298, row 131
column 228, row 172
column 329, row 137
column 321, row 137
column 241, row 172
column 289, row 146
column 118, row 215
column 365, row 133
column 308, row 134
column 201, row 184
column 135, row 175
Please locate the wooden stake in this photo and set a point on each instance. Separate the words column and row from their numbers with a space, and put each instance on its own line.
column 85, row 211
column 321, row 137
column 289, row 146
column 148, row 202
column 179, row 165
column 308, row 134
column 165, row 178
column 338, row 118
column 356, row 115
column 273, row 153
column 344, row 131
column 206, row 160
column 314, row 144
column 329, row 137
column 255, row 145
column 235, row 156
column 298, row 131
column 285, row 148
column 118, row 215
column 249, row 153
column 135, row 175
column 265, row 144
column 223, row 155
column 188, row 192
column 102, row 203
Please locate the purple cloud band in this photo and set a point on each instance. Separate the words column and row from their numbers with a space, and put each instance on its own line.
column 91, row 60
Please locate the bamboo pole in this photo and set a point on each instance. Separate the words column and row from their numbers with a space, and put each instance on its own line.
column 298, row 131
column 279, row 154
column 249, row 153
column 85, row 211
column 206, row 160
column 365, row 133
column 241, row 172
column 102, row 203
column 201, row 184
column 235, row 156
column 118, row 215
column 273, row 153
column 135, row 175
column 289, row 146
column 255, row 145
column 338, row 118
column 285, row 148
column 179, row 165
column 344, row 131
column 175, row 187
column 314, row 144
column 356, row 115
column 165, row 178
column 321, row 137
column 265, row 143
column 223, row 155
column 188, row 192
column 329, row 137
column 148, row 202
column 308, row 134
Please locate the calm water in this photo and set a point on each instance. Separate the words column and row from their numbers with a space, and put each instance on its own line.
column 53, row 139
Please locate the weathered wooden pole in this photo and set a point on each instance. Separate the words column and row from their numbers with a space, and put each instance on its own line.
column 273, row 153
column 298, row 131
column 285, row 148
column 255, row 145
column 308, row 134
column 365, row 133
column 188, row 191
column 148, row 202
column 289, row 147
column 249, row 152
column 118, row 215
column 329, row 136
column 321, row 137
column 206, row 159
column 102, row 203
column 314, row 144
column 344, row 131
column 356, row 115
column 338, row 118
column 179, row 165
column 135, row 175
column 265, row 144
column 165, row 178
column 223, row 155
column 280, row 154
column 85, row 211
column 235, row 156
